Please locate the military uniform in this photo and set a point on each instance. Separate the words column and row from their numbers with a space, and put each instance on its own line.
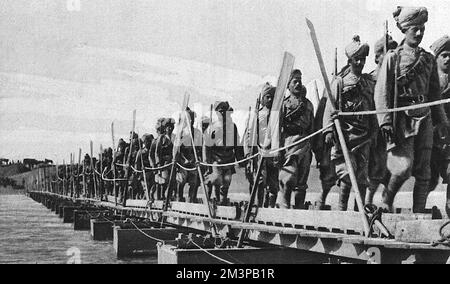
column 322, row 153
column 378, row 173
column 222, row 147
column 268, row 185
column 163, row 156
column 297, row 122
column 352, row 94
column 187, row 160
column 418, row 82
column 440, row 156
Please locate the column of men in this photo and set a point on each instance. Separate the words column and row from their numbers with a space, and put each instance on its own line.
column 386, row 148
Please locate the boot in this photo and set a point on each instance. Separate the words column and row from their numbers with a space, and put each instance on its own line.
column 344, row 196
column 420, row 196
column 395, row 183
column 299, row 199
column 372, row 189
column 272, row 200
column 320, row 204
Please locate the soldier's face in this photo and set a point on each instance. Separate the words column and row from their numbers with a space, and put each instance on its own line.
column 414, row 35
column 357, row 65
column 295, row 86
column 268, row 101
column 443, row 61
column 169, row 129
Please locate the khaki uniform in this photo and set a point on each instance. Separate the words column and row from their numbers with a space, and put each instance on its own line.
column 418, row 82
column 163, row 156
column 268, row 183
column 222, row 146
column 142, row 158
column 297, row 123
column 352, row 94
column 187, row 160
column 322, row 153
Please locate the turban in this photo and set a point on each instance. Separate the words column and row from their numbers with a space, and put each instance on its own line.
column 147, row 137
column 442, row 44
column 295, row 73
column 159, row 124
column 268, row 90
column 407, row 17
column 168, row 121
column 191, row 113
column 121, row 143
column 206, row 120
column 356, row 48
column 379, row 45
column 222, row 106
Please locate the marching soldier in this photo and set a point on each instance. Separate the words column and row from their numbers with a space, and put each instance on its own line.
column 408, row 76
column 378, row 155
column 187, row 160
column 157, row 184
column 143, row 161
column 119, row 160
column 297, row 122
column 88, row 176
column 163, row 152
column 134, row 186
column 268, row 183
column 440, row 156
column 353, row 92
column 107, row 163
column 222, row 147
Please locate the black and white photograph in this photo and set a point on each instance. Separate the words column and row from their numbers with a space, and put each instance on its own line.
column 233, row 135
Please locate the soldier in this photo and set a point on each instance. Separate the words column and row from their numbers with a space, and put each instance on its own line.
column 163, row 152
column 187, row 160
column 409, row 134
column 119, row 160
column 156, row 186
column 88, row 176
column 107, row 163
column 134, row 186
column 268, row 183
column 440, row 156
column 297, row 122
column 353, row 92
column 222, row 147
column 143, row 161
column 378, row 155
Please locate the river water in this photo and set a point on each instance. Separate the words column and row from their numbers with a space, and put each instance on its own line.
column 31, row 233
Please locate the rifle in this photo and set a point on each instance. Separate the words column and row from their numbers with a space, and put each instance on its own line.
column 128, row 164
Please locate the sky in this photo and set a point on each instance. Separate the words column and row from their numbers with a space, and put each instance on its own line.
column 70, row 68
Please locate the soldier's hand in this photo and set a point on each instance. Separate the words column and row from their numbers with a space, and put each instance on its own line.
column 388, row 133
column 442, row 130
column 329, row 139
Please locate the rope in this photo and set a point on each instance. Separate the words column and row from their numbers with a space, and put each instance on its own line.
column 159, row 168
column 301, row 140
column 445, row 240
column 231, row 164
column 148, row 236
column 110, row 179
column 207, row 252
column 372, row 112
column 186, row 169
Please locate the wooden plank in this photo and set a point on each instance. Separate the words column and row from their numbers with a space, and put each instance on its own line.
column 136, row 203
column 391, row 220
column 273, row 130
column 157, row 204
column 420, row 231
column 312, row 218
column 192, row 208
column 111, row 198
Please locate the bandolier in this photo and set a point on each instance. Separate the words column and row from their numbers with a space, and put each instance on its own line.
column 408, row 77
column 297, row 122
